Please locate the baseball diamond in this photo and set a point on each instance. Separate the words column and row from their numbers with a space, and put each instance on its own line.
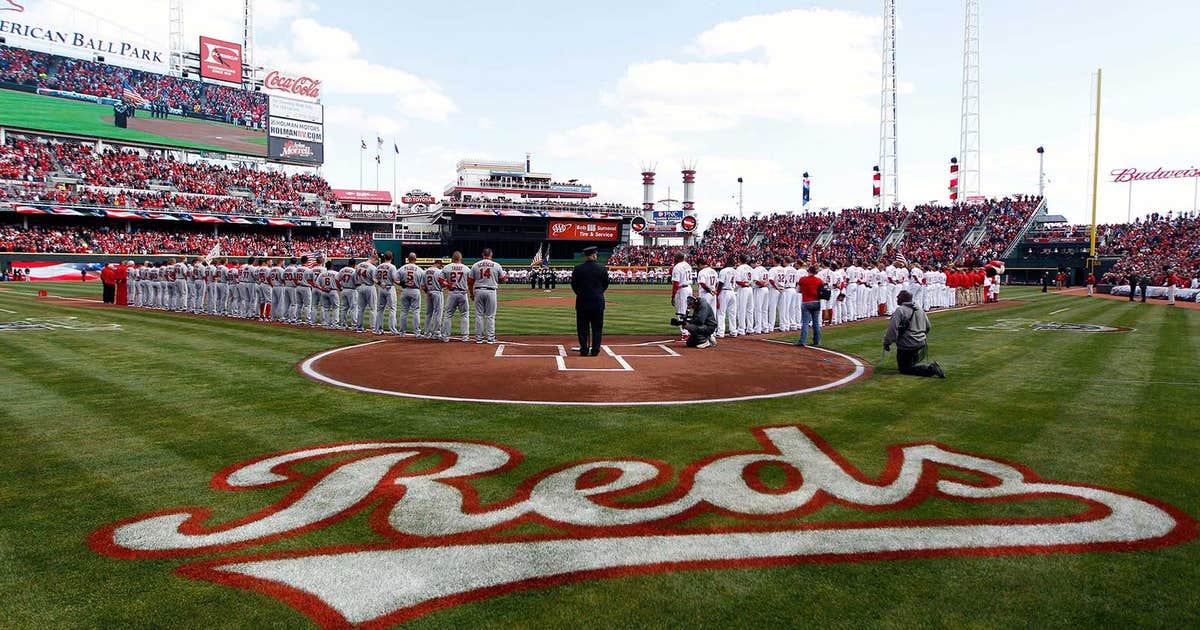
column 697, row 359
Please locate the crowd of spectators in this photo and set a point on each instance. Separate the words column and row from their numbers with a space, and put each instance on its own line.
column 1150, row 246
column 549, row 205
column 92, row 239
column 125, row 178
column 55, row 72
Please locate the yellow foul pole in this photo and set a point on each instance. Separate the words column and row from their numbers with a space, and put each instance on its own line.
column 1095, row 169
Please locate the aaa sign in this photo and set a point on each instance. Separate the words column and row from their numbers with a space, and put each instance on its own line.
column 583, row 231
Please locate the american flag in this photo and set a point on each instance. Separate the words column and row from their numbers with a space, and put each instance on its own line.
column 314, row 258
column 901, row 261
column 130, row 95
column 537, row 258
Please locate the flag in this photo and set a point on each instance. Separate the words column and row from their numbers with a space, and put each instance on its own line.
column 901, row 261
column 378, row 142
column 396, row 148
column 812, row 257
column 546, row 263
column 132, row 96
column 537, row 258
column 364, row 144
column 215, row 252
column 377, row 158
column 806, row 196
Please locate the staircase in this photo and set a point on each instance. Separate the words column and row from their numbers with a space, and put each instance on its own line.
column 823, row 239
column 1040, row 210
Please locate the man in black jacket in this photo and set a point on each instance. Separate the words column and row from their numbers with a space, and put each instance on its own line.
column 589, row 281
column 1133, row 284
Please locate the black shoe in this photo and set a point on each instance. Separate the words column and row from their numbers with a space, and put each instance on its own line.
column 594, row 353
column 937, row 370
column 583, row 353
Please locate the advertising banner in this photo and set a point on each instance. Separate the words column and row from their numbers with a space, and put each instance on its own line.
column 284, row 107
column 298, row 151
column 583, row 231
column 220, row 60
column 297, row 129
column 666, row 216
column 376, row 197
column 300, row 86
column 417, row 196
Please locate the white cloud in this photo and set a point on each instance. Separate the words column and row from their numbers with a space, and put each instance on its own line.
column 313, row 40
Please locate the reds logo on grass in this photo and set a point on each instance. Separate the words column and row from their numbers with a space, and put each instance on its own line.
column 446, row 548
column 1020, row 325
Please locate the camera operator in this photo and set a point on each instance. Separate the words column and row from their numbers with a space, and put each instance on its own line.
column 909, row 329
column 700, row 323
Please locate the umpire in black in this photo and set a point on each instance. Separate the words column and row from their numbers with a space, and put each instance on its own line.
column 589, row 281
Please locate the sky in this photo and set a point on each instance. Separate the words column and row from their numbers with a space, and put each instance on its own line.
column 755, row 89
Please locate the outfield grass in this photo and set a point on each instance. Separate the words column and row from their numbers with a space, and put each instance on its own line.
column 61, row 115
column 107, row 425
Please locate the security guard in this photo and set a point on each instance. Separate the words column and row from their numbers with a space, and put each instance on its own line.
column 589, row 281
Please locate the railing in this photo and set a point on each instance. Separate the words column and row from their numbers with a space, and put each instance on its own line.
column 412, row 233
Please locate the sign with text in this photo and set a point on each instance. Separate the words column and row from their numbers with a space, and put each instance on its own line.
column 284, row 107
column 300, row 86
column 583, row 231
column 298, row 151
column 220, row 60
column 1123, row 175
column 418, row 196
column 372, row 197
column 298, row 129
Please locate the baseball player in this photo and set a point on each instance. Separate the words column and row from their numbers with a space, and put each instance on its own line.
column 289, row 291
column 431, row 286
column 743, row 279
column 775, row 288
column 199, row 288
column 681, row 290
column 365, row 271
column 246, row 289
column 759, row 280
column 228, row 289
column 306, row 283
column 787, row 302
column 262, row 282
column 348, row 294
column 326, row 285
column 707, row 279
column 411, row 279
column 454, row 279
column 211, row 280
column 385, row 295
column 182, row 285
column 276, row 296
column 482, row 284
column 726, row 302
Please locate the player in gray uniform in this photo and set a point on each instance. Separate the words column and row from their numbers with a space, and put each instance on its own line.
column 168, row 279
column 246, row 289
column 262, row 289
column 411, row 279
column 211, row 279
column 486, row 276
column 385, row 294
column 181, row 285
column 431, row 286
column 306, row 283
column 326, row 285
column 278, row 291
column 199, row 288
column 454, row 280
column 365, row 273
column 221, row 284
column 289, row 292
column 348, row 289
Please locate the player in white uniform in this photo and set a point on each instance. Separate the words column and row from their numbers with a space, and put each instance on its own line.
column 743, row 278
column 787, row 300
column 431, row 286
column 681, row 289
column 411, row 279
column 759, row 277
column 385, row 295
column 706, row 281
column 485, row 278
column 727, row 302
column 775, row 290
column 826, row 276
column 455, row 279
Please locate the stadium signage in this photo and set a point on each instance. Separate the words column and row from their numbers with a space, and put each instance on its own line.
column 583, row 231
column 374, row 197
column 12, row 5
column 300, row 86
column 418, row 196
column 292, row 150
column 283, row 107
column 1123, row 175
column 298, row 129
column 220, row 60
column 81, row 40
column 444, row 547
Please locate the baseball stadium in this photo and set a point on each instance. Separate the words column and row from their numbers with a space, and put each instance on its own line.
column 244, row 391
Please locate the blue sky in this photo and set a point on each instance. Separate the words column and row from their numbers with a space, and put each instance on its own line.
column 764, row 90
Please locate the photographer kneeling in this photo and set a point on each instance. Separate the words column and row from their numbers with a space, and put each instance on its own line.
column 700, row 323
column 908, row 329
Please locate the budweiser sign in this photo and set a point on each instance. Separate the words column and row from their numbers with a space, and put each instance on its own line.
column 300, row 86
column 1122, row 175
column 443, row 546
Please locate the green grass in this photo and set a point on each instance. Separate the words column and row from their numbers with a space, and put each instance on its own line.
column 48, row 113
column 107, row 425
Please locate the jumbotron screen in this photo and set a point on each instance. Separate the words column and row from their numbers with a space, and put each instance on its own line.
column 53, row 93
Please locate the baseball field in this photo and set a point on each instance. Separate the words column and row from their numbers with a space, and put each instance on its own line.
column 46, row 113
column 167, row 470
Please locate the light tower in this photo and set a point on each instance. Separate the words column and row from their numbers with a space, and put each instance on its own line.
column 889, row 163
column 248, row 36
column 175, row 43
column 968, row 151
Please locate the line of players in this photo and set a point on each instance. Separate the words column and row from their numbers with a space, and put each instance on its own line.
column 752, row 298
column 353, row 297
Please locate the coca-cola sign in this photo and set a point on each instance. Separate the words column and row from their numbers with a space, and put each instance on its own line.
column 431, row 541
column 1123, row 175
column 300, row 86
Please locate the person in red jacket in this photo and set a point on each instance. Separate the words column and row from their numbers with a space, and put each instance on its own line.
column 1091, row 282
column 109, row 280
column 121, row 278
column 1173, row 282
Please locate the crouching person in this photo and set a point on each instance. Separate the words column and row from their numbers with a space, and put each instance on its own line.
column 909, row 330
column 700, row 323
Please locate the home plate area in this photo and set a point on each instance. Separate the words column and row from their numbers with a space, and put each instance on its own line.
column 630, row 370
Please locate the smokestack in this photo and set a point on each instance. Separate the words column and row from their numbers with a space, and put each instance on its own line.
column 875, row 184
column 647, row 189
column 527, row 169
column 689, row 184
